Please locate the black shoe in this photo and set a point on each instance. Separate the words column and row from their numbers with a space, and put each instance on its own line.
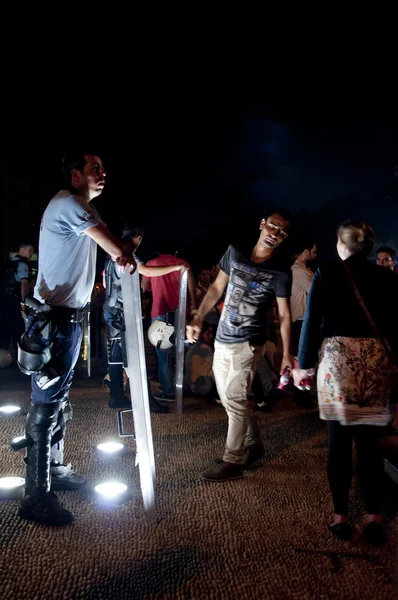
column 374, row 533
column 224, row 472
column 46, row 509
column 253, row 453
column 63, row 477
column 120, row 403
column 155, row 407
column 341, row 530
column 164, row 397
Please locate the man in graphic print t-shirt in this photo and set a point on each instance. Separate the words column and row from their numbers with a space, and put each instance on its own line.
column 254, row 279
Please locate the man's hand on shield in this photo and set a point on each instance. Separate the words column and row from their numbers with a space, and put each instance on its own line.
column 125, row 261
column 194, row 329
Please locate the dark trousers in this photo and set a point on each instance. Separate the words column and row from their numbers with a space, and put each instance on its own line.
column 370, row 465
column 64, row 354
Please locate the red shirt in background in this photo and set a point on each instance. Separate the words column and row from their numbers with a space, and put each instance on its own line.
column 165, row 289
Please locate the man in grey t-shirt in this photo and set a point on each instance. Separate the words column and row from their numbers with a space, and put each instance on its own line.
column 70, row 230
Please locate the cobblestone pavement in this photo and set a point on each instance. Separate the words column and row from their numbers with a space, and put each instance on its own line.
column 263, row 536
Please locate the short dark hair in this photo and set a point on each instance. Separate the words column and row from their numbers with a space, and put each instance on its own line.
column 24, row 244
column 75, row 159
column 131, row 231
column 387, row 249
column 284, row 213
column 304, row 244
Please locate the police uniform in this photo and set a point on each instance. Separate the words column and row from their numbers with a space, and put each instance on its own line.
column 66, row 274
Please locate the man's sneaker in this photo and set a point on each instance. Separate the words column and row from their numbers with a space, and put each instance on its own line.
column 253, row 453
column 63, row 477
column 46, row 509
column 224, row 472
column 164, row 397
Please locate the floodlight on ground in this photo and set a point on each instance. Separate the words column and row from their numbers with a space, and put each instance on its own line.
column 9, row 409
column 112, row 492
column 111, row 448
column 111, row 489
column 11, row 487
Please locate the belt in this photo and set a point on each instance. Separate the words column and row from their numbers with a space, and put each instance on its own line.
column 63, row 314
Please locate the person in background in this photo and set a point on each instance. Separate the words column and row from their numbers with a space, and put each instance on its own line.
column 386, row 257
column 165, row 299
column 14, row 288
column 114, row 316
column 301, row 285
column 199, row 377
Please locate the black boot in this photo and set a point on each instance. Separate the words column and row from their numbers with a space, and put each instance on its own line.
column 39, row 503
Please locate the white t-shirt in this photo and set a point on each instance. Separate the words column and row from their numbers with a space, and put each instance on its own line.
column 67, row 257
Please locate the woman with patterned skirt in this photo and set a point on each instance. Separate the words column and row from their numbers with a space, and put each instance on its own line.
column 355, row 371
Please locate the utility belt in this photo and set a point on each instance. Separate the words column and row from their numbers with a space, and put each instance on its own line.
column 34, row 347
column 56, row 314
column 62, row 314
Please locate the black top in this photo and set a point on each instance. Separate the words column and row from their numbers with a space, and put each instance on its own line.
column 251, row 289
column 333, row 308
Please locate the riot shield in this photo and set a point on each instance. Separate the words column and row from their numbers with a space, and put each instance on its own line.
column 136, row 369
column 180, row 339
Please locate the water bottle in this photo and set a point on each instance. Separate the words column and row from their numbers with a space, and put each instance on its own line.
column 285, row 379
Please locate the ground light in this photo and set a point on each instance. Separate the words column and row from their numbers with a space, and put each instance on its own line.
column 11, row 487
column 9, row 409
column 111, row 448
column 112, row 493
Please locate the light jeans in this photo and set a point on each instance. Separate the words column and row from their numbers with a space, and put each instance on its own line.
column 234, row 366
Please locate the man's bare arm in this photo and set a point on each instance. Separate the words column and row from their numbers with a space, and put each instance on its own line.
column 211, row 298
column 159, row 271
column 285, row 320
column 112, row 246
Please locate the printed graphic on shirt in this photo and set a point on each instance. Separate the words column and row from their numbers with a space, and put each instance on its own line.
column 250, row 292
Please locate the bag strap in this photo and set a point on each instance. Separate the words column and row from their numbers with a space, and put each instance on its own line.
column 375, row 327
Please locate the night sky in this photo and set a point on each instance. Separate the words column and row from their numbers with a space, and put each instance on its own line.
column 199, row 166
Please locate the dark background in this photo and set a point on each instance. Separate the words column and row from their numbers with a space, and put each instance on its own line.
column 199, row 166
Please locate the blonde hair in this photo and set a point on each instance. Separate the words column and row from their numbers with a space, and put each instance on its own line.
column 358, row 236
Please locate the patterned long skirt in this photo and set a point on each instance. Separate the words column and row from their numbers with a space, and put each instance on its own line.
column 353, row 381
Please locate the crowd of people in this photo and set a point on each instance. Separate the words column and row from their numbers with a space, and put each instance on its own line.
column 332, row 320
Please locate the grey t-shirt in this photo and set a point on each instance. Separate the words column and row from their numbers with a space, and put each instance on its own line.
column 251, row 289
column 67, row 257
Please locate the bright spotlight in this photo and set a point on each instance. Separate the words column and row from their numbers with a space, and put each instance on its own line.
column 9, row 409
column 111, row 489
column 9, row 483
column 11, row 487
column 110, row 447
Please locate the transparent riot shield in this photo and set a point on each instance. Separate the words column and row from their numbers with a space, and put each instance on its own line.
column 180, row 339
column 136, row 369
